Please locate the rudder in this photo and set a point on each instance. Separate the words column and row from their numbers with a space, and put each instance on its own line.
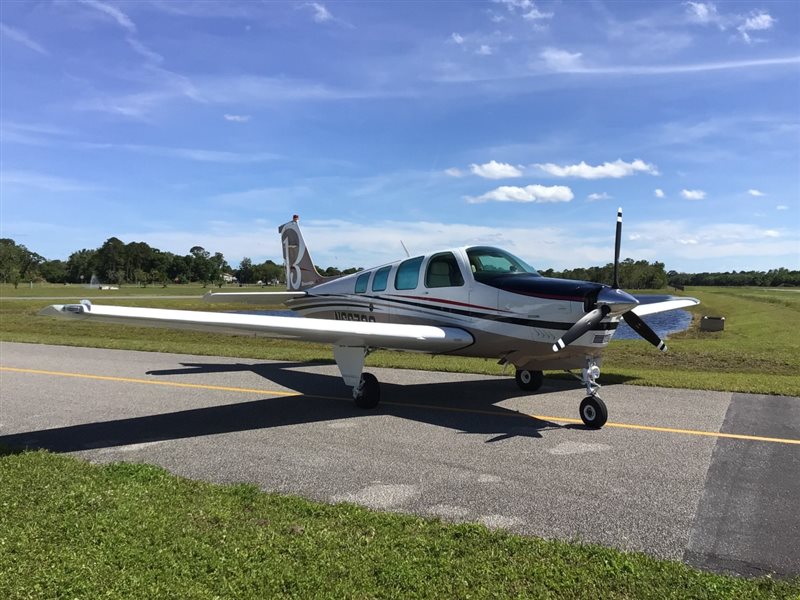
column 300, row 270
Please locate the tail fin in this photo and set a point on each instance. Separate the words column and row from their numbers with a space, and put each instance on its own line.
column 300, row 270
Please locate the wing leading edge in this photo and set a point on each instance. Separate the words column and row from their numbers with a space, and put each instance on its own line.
column 649, row 305
column 260, row 298
column 418, row 338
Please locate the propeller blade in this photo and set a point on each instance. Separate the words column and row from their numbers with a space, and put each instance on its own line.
column 643, row 329
column 617, row 243
column 581, row 326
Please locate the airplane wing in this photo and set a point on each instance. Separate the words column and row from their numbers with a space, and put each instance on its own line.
column 260, row 298
column 649, row 305
column 421, row 338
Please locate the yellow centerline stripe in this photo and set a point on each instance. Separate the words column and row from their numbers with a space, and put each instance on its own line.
column 198, row 386
column 717, row 434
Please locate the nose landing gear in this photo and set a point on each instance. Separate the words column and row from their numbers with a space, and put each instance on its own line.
column 593, row 411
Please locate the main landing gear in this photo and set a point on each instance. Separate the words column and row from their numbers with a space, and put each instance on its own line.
column 593, row 411
column 529, row 381
column 366, row 389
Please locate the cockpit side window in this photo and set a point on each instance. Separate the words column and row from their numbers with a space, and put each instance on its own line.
column 381, row 279
column 443, row 271
column 487, row 262
column 361, row 282
column 407, row 275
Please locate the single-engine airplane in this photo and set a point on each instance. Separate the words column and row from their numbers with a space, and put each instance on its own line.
column 472, row 301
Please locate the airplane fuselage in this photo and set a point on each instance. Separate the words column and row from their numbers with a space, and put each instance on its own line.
column 515, row 316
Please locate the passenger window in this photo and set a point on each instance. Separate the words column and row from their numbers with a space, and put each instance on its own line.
column 443, row 271
column 381, row 279
column 408, row 274
column 361, row 283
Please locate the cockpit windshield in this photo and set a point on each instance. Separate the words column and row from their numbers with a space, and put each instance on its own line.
column 487, row 263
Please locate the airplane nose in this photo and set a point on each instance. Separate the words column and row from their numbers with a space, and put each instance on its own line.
column 619, row 301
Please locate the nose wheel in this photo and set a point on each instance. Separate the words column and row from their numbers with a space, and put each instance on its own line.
column 594, row 413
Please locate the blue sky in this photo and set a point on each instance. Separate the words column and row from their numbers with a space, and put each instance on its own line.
column 514, row 123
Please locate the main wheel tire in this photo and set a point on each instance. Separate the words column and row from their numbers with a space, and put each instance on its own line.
column 594, row 413
column 529, row 381
column 370, row 393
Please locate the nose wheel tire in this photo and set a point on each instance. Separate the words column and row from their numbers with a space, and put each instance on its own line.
column 529, row 381
column 594, row 413
column 369, row 393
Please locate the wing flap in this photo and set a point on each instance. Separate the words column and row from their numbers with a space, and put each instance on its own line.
column 260, row 298
column 420, row 338
column 649, row 305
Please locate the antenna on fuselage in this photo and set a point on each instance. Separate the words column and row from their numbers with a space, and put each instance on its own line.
column 408, row 254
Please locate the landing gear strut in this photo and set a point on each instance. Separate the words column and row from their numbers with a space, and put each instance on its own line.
column 593, row 411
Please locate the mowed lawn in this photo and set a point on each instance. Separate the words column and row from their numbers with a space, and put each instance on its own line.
column 69, row 529
column 757, row 352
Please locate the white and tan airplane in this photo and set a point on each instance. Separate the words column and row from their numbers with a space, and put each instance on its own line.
column 472, row 301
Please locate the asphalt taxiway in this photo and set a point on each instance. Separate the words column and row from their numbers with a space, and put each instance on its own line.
column 710, row 478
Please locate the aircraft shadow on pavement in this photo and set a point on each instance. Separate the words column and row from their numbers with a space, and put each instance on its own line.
column 465, row 406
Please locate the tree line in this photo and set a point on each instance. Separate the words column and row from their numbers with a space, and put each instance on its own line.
column 116, row 262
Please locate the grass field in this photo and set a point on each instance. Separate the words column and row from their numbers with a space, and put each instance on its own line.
column 756, row 353
column 69, row 529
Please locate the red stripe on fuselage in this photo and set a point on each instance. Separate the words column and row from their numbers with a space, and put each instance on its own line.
column 453, row 302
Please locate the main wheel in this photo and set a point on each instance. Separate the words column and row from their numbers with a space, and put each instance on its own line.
column 594, row 413
column 370, row 393
column 529, row 381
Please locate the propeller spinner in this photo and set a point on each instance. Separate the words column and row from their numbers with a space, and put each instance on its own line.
column 612, row 301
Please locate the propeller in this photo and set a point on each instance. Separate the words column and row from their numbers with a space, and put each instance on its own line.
column 607, row 300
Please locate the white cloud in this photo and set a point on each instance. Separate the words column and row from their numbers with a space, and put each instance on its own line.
column 561, row 60
column 237, row 118
column 616, row 169
column 41, row 181
column 495, row 170
column 529, row 193
column 759, row 21
column 659, row 193
column 756, row 193
column 484, row 50
column 527, row 8
column 534, row 14
column 454, row 172
column 458, row 39
column 693, row 194
column 705, row 13
column 120, row 17
column 781, row 207
column 22, row 38
column 702, row 12
column 321, row 14
column 771, row 233
column 601, row 196
column 196, row 154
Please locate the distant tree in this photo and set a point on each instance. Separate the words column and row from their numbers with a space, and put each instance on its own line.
column 54, row 271
column 17, row 263
column 245, row 271
column 81, row 265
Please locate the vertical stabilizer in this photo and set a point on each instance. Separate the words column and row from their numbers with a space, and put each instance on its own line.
column 300, row 270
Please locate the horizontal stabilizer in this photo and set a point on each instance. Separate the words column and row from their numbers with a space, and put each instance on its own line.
column 419, row 338
column 260, row 298
column 649, row 305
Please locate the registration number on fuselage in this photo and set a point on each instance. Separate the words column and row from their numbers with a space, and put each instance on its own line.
column 348, row 316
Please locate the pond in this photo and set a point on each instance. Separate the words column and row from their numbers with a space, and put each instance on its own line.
column 663, row 324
